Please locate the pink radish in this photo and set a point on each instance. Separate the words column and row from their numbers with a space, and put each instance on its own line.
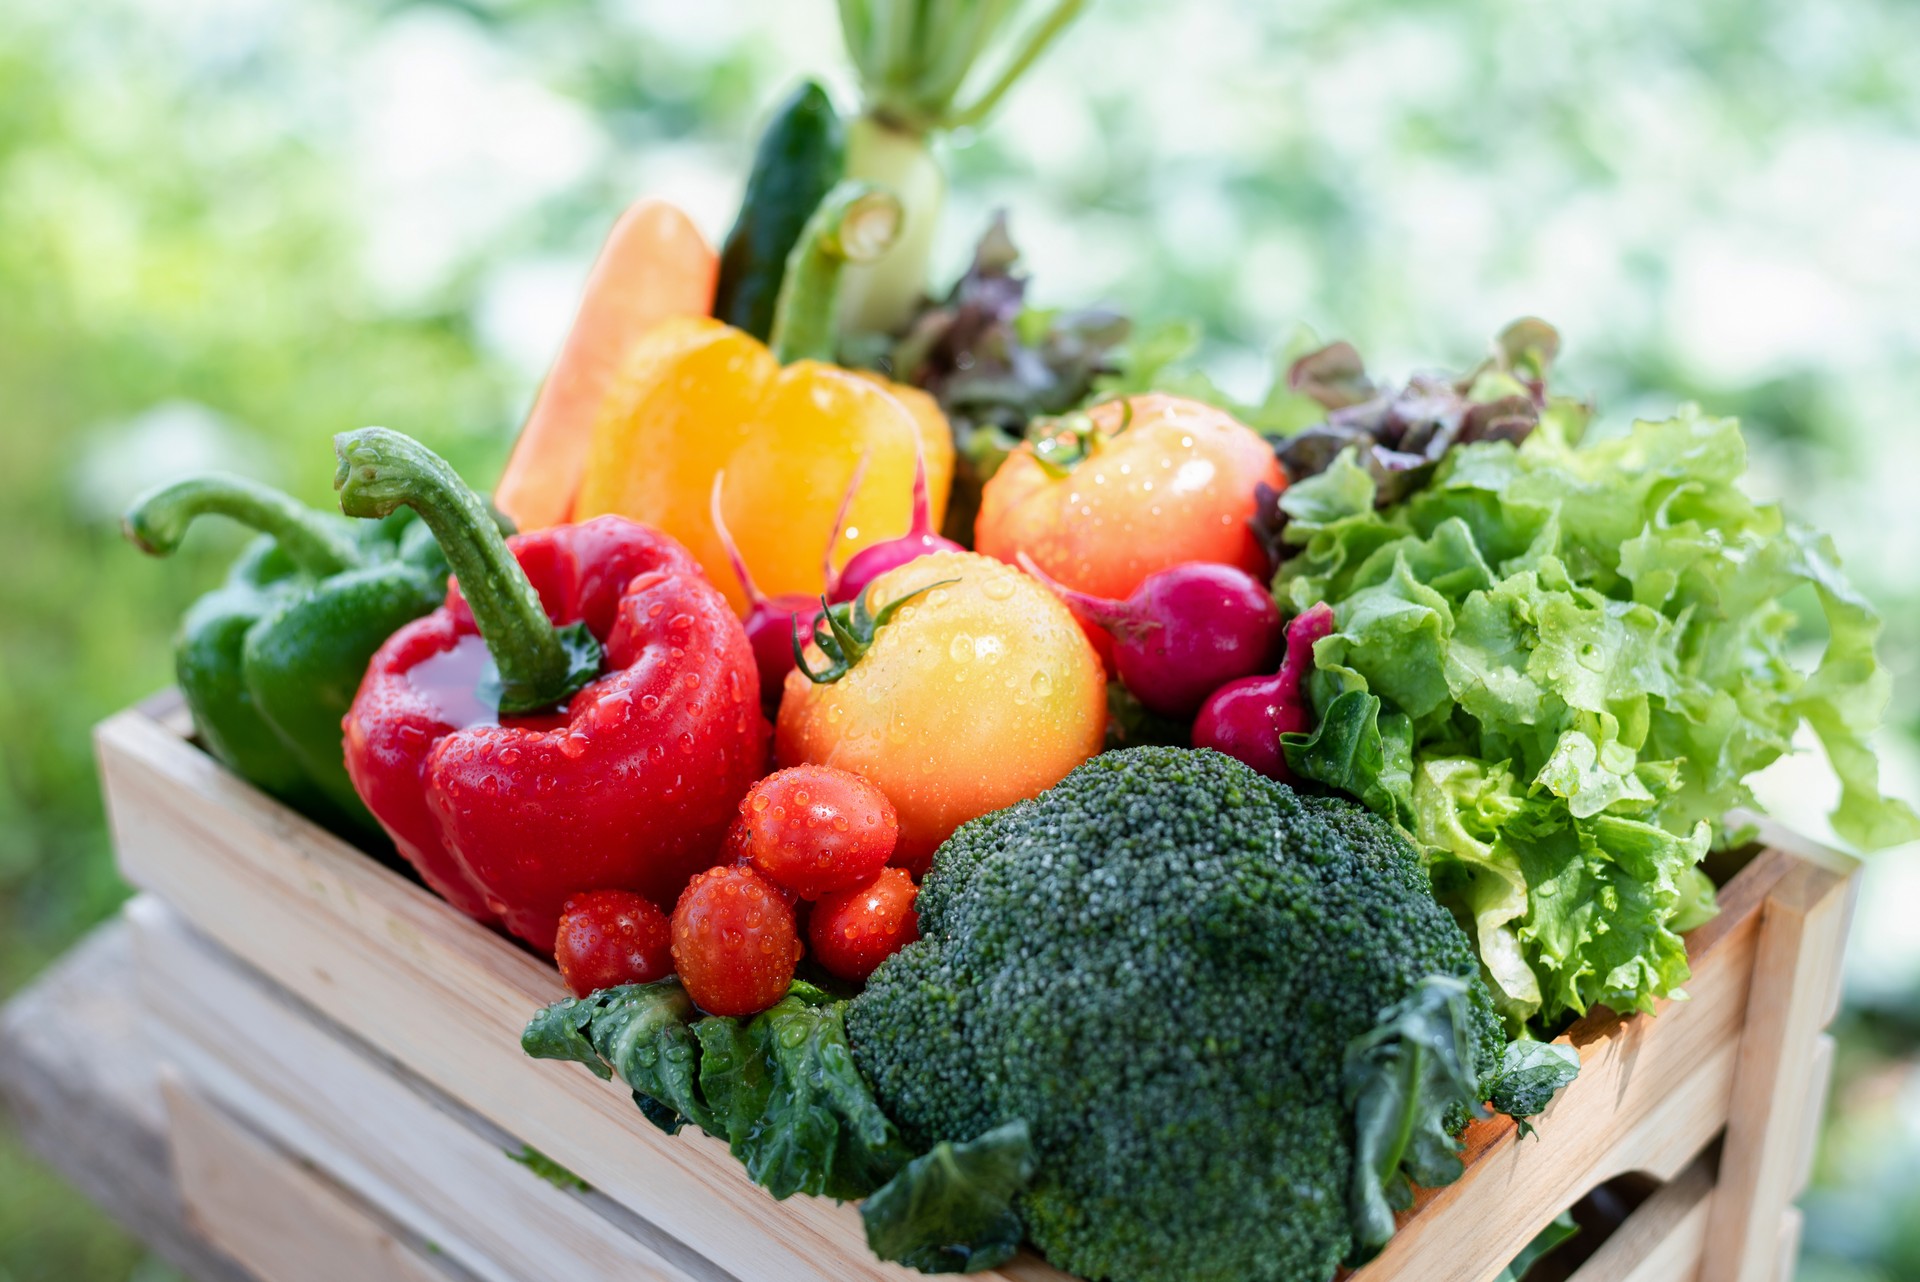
column 1185, row 632
column 1246, row 718
column 869, row 564
column 770, row 620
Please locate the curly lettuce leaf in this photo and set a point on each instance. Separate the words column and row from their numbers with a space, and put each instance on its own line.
column 1584, row 649
column 780, row 1088
column 951, row 1210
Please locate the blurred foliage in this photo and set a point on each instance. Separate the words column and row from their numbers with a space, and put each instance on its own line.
column 230, row 228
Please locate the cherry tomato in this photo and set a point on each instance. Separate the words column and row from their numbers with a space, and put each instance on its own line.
column 980, row 691
column 1159, row 481
column 853, row 931
column 611, row 937
column 814, row 829
column 735, row 943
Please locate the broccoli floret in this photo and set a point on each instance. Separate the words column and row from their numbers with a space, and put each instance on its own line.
column 1159, row 966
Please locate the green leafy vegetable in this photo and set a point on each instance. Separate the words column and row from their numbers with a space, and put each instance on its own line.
column 1530, row 1074
column 1411, row 1083
column 781, row 1088
column 1544, row 1242
column 951, row 1210
column 1555, row 666
column 549, row 1170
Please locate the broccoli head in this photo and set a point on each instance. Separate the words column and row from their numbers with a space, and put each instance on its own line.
column 1161, row 966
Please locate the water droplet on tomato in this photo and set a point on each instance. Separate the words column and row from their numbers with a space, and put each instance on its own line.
column 1042, row 684
column 998, row 588
column 960, row 649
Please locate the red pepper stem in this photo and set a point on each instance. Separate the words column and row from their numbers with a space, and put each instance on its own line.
column 539, row 665
column 857, row 222
column 158, row 521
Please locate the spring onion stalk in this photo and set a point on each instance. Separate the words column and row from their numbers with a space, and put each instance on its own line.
column 926, row 68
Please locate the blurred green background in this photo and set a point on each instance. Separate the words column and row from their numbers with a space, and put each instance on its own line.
column 230, row 228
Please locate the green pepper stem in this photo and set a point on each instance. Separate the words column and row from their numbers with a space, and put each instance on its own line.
column 158, row 521
column 857, row 222
column 381, row 470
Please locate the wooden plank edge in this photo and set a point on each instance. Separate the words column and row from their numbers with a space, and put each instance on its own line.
column 321, row 1092
column 284, row 1220
column 1664, row 1238
column 79, row 1082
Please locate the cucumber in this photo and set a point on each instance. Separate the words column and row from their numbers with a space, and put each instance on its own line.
column 801, row 156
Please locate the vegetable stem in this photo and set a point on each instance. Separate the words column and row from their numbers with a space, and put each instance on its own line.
column 538, row 665
column 856, row 223
column 158, row 521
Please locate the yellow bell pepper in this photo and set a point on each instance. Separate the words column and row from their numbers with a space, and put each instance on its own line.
column 785, row 426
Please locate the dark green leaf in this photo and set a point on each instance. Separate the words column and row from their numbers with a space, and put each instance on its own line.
column 1542, row 1245
column 1530, row 1074
column 780, row 1088
column 1404, row 1080
column 1360, row 750
column 951, row 1210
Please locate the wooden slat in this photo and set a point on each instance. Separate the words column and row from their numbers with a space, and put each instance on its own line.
column 284, row 1222
column 1663, row 1239
column 427, row 1162
column 77, row 1079
column 1794, row 994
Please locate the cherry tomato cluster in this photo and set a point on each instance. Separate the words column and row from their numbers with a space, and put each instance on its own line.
column 809, row 851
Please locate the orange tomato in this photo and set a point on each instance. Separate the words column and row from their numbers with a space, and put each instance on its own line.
column 979, row 693
column 1164, row 481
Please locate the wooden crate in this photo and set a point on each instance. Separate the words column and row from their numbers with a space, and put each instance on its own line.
column 361, row 1026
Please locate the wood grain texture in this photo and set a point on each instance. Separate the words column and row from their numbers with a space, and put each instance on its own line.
column 1794, row 995
column 79, row 1081
column 1663, row 1239
column 395, row 1142
column 283, row 1221
column 444, row 997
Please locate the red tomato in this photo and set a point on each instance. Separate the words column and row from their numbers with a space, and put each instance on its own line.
column 853, row 931
column 611, row 937
column 814, row 829
column 735, row 943
column 1163, row 481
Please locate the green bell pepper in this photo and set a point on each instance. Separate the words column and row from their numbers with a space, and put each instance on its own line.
column 269, row 661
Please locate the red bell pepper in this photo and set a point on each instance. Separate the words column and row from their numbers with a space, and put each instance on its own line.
column 582, row 714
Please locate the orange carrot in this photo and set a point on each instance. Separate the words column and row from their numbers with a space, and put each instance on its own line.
column 654, row 265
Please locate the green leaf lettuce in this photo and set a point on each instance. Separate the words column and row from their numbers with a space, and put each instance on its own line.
column 1555, row 666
